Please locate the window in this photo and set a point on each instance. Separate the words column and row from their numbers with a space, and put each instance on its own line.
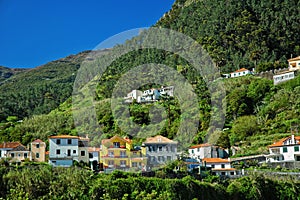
column 160, row 148
column 0, row 153
column 169, row 157
column 37, row 155
column 74, row 151
column 25, row 155
column 222, row 165
column 69, row 141
column 223, row 173
column 12, row 155
column 296, row 148
column 57, row 141
column 284, row 149
column 19, row 155
column 212, row 166
column 91, row 155
column 198, row 149
column 192, row 151
column 123, row 154
column 111, row 154
column 231, row 173
column 82, row 153
column 57, row 151
column 134, row 164
column 123, row 163
column 37, row 146
column 54, row 161
column 116, row 144
column 111, row 162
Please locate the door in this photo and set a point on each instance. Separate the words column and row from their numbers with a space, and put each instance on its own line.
column 69, row 152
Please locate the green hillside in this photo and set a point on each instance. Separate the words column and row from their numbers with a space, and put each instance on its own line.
column 6, row 73
column 39, row 90
column 236, row 34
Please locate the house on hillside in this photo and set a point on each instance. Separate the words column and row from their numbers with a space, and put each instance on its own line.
column 285, row 150
column 206, row 150
column 119, row 153
column 283, row 76
column 294, row 64
column 159, row 150
column 38, row 150
column 15, row 151
column 240, row 72
column 219, row 166
column 150, row 95
column 65, row 149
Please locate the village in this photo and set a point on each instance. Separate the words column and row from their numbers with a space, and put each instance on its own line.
column 121, row 153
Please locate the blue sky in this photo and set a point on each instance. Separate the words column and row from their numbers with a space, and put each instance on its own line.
column 35, row 32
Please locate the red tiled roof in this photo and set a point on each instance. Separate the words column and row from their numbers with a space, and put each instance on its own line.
column 91, row 149
column 159, row 139
column 294, row 59
column 64, row 136
column 224, row 169
column 37, row 141
column 281, row 142
column 10, row 144
column 215, row 160
column 240, row 70
column 200, row 145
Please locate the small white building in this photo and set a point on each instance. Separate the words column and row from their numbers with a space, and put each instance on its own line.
column 219, row 166
column 282, row 77
column 133, row 95
column 206, row 150
column 240, row 72
column 285, row 150
column 64, row 149
column 294, row 64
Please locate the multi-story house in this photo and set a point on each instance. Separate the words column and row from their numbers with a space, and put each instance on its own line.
column 285, row 150
column 294, row 64
column 150, row 95
column 206, row 150
column 159, row 150
column 38, row 150
column 15, row 151
column 64, row 149
column 219, row 166
column 119, row 153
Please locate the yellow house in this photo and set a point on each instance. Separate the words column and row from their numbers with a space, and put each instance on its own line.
column 294, row 64
column 118, row 153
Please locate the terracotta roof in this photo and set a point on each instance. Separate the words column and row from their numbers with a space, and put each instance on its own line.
column 200, row 145
column 37, row 141
column 127, row 140
column 159, row 139
column 240, row 70
column 294, row 59
column 281, row 142
column 47, row 153
column 10, row 144
column 215, row 160
column 64, row 136
column 91, row 149
column 224, row 169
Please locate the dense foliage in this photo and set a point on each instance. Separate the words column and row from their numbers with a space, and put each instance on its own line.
column 251, row 33
column 39, row 90
column 45, row 182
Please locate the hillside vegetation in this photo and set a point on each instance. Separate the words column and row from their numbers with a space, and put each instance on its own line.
column 236, row 34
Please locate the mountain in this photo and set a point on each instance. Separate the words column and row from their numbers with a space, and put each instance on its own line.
column 236, row 34
column 6, row 73
column 38, row 90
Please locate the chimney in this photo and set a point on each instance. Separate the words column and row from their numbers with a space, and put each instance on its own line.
column 293, row 138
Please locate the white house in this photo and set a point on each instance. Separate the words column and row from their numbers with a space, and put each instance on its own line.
column 206, row 150
column 294, row 64
column 219, row 166
column 15, row 151
column 240, row 72
column 285, row 150
column 133, row 95
column 64, row 149
column 282, row 77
